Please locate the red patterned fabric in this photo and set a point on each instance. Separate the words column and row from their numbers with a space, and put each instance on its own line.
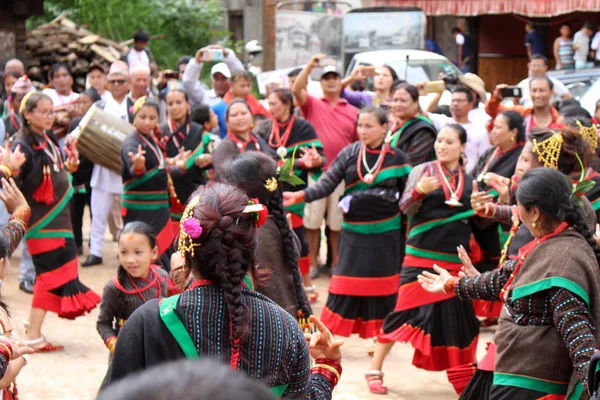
column 531, row 8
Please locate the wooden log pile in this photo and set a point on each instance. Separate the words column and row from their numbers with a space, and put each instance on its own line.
column 61, row 40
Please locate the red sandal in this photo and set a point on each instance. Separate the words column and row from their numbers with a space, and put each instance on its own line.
column 47, row 348
column 375, row 381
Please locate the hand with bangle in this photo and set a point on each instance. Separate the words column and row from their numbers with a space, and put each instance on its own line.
column 427, row 184
column 11, row 161
column 72, row 153
column 325, row 351
column 139, row 160
column 482, row 203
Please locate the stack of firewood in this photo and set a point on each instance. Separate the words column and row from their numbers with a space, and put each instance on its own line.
column 61, row 40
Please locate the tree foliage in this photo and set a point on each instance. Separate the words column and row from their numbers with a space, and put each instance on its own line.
column 186, row 24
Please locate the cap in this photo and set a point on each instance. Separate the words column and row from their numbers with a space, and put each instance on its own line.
column 221, row 68
column 330, row 69
column 23, row 85
column 119, row 68
column 475, row 83
column 98, row 66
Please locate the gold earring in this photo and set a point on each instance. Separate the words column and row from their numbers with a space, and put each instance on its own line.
column 533, row 225
column 512, row 139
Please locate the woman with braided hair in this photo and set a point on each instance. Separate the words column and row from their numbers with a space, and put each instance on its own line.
column 550, row 294
column 218, row 317
column 569, row 143
column 278, row 246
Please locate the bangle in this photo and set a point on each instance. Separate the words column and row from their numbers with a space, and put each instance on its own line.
column 302, row 164
column 111, row 343
column 21, row 215
column 6, row 170
column 139, row 171
column 420, row 188
column 26, row 358
column 6, row 346
column 333, row 363
column 450, row 284
column 328, row 368
column 327, row 374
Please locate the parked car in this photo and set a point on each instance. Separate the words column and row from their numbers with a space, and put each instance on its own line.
column 578, row 81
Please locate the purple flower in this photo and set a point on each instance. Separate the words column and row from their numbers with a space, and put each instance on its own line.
column 192, row 227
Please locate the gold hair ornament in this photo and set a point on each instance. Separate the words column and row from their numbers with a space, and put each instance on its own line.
column 590, row 134
column 271, row 184
column 189, row 229
column 24, row 101
column 139, row 103
column 548, row 150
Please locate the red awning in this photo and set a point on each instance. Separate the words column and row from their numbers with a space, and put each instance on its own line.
column 530, row 8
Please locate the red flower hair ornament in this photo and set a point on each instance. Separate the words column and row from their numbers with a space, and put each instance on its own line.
column 260, row 211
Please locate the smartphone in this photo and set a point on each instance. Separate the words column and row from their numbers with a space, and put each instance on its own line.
column 434, row 87
column 172, row 75
column 213, row 55
column 369, row 71
column 511, row 91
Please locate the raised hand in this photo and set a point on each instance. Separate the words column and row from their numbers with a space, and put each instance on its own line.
column 321, row 343
column 11, row 195
column 467, row 269
column 434, row 283
column 72, row 152
column 13, row 159
column 311, row 157
column 428, row 184
column 481, row 203
column 138, row 159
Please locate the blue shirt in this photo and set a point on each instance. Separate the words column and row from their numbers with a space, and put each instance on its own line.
column 537, row 42
column 220, row 109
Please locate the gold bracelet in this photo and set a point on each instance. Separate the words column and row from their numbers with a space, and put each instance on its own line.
column 329, row 368
column 8, row 349
column 6, row 169
column 420, row 188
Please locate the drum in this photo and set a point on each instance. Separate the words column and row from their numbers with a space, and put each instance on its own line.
column 100, row 136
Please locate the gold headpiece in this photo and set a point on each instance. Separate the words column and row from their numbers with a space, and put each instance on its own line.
column 271, row 184
column 548, row 150
column 24, row 101
column 189, row 229
column 139, row 103
column 589, row 134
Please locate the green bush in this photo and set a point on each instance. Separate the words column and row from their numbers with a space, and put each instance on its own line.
column 186, row 24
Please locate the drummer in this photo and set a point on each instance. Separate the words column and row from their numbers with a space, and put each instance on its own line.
column 107, row 185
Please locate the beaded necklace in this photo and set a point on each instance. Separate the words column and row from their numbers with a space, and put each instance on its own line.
column 524, row 252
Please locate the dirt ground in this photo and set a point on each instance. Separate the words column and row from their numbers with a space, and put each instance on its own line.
column 76, row 372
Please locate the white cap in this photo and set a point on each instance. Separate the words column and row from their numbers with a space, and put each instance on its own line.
column 221, row 68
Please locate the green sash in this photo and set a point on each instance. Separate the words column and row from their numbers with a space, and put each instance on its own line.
column 182, row 337
column 396, row 135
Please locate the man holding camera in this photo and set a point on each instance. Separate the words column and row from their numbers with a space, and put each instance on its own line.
column 540, row 114
column 220, row 75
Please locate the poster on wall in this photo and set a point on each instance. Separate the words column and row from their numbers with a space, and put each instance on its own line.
column 377, row 30
column 300, row 34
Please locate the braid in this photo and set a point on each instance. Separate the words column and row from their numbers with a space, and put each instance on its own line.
column 231, row 268
column 573, row 215
column 291, row 255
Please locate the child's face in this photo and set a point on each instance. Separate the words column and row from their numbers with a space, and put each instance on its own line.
column 135, row 254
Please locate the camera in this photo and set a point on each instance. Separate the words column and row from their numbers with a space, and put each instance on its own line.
column 450, row 78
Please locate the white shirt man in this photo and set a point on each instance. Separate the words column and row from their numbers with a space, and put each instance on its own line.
column 107, row 185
